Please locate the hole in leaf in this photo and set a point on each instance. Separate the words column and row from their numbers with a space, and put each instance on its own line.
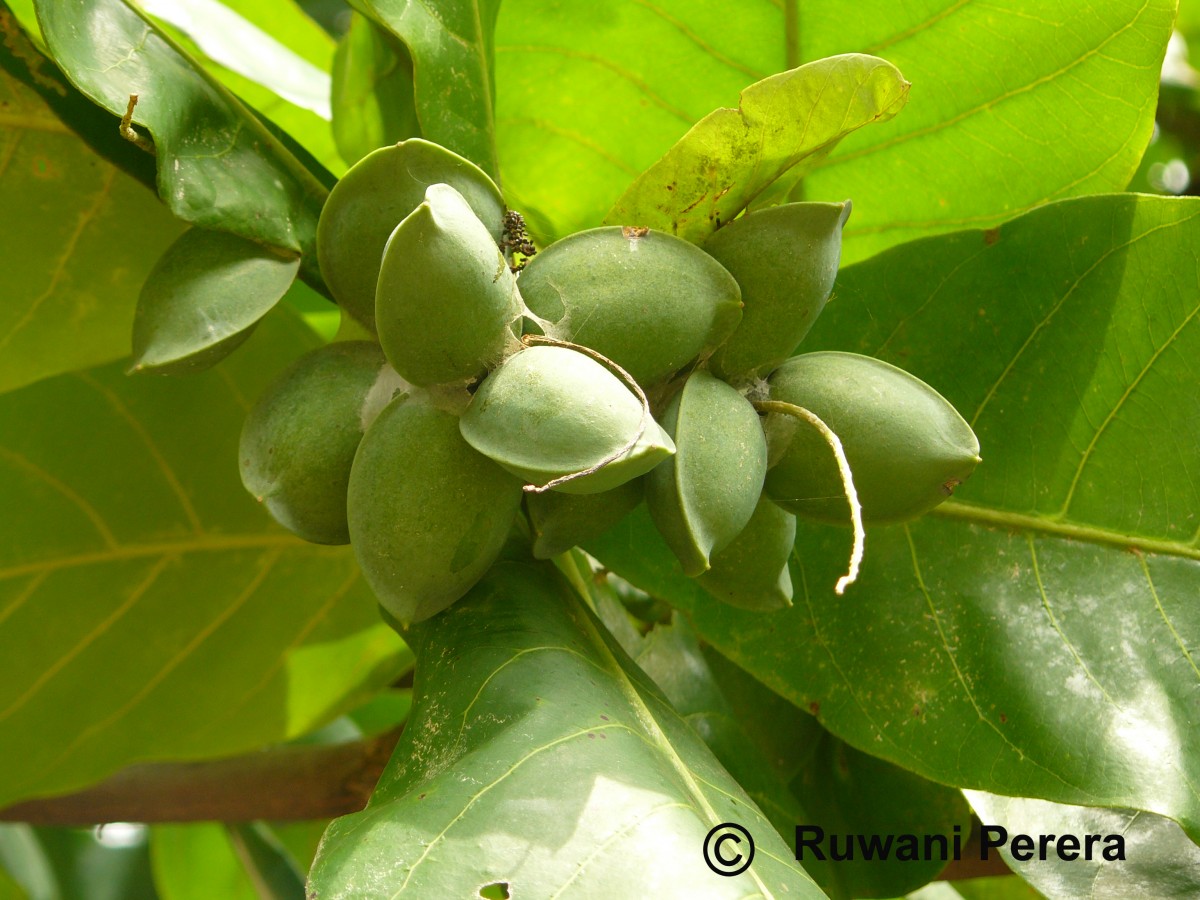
column 497, row 890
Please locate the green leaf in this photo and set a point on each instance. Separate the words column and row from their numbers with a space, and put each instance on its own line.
column 671, row 655
column 1160, row 861
column 452, row 55
column 842, row 790
column 1011, row 107
column 845, row 792
column 218, row 166
column 1036, row 635
column 197, row 861
column 251, row 59
column 203, row 298
column 131, row 558
column 373, row 102
column 589, row 96
column 77, row 212
column 271, row 868
column 538, row 757
column 24, row 860
column 731, row 155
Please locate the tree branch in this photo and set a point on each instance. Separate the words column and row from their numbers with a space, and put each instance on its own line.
column 283, row 783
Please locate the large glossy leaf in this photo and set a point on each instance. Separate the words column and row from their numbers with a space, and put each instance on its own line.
column 251, row 60
column 1012, row 104
column 538, row 757
column 372, row 92
column 783, row 124
column 203, row 298
column 833, row 787
column 79, row 235
column 591, row 95
column 197, row 861
column 451, row 45
column 218, row 165
column 1035, row 636
column 149, row 609
column 1159, row 860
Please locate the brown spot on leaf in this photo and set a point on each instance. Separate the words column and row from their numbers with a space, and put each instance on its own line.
column 814, row 707
column 991, row 235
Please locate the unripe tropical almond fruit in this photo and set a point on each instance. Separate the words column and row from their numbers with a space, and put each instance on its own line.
column 299, row 440
column 647, row 300
column 702, row 497
column 785, row 259
column 446, row 300
column 752, row 572
column 548, row 412
column 428, row 515
column 373, row 197
column 562, row 521
column 908, row 448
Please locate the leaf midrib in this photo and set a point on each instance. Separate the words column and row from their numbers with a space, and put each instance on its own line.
column 201, row 543
column 982, row 515
column 649, row 723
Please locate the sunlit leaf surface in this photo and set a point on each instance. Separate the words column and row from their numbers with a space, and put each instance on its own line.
column 538, row 757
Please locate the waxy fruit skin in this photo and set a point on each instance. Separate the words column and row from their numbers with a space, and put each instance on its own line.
column 785, row 259
column 428, row 515
column 299, row 439
column 446, row 300
column 647, row 300
column 702, row 497
column 548, row 412
column 373, row 197
column 908, row 448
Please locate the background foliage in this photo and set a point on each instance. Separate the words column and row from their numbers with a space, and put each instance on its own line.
column 1033, row 642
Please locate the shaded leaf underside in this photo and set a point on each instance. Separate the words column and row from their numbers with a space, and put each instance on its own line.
column 142, row 590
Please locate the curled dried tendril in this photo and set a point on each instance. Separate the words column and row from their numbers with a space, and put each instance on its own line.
column 835, row 444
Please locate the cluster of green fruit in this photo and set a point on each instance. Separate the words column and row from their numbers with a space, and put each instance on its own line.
column 618, row 364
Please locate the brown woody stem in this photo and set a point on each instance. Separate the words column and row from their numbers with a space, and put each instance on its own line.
column 283, row 783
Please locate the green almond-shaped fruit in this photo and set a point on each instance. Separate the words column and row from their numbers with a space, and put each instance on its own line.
column 428, row 515
column 703, row 496
column 785, row 259
column 752, row 572
column 446, row 300
column 562, row 521
column 373, row 197
column 299, row 440
column 547, row 412
column 908, row 448
column 647, row 300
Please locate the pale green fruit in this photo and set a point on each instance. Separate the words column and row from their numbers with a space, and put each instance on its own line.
column 752, row 572
column 785, row 259
column 550, row 411
column 428, row 515
column 299, row 440
column 702, row 497
column 446, row 300
column 373, row 197
column 562, row 521
column 647, row 300
column 908, row 448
